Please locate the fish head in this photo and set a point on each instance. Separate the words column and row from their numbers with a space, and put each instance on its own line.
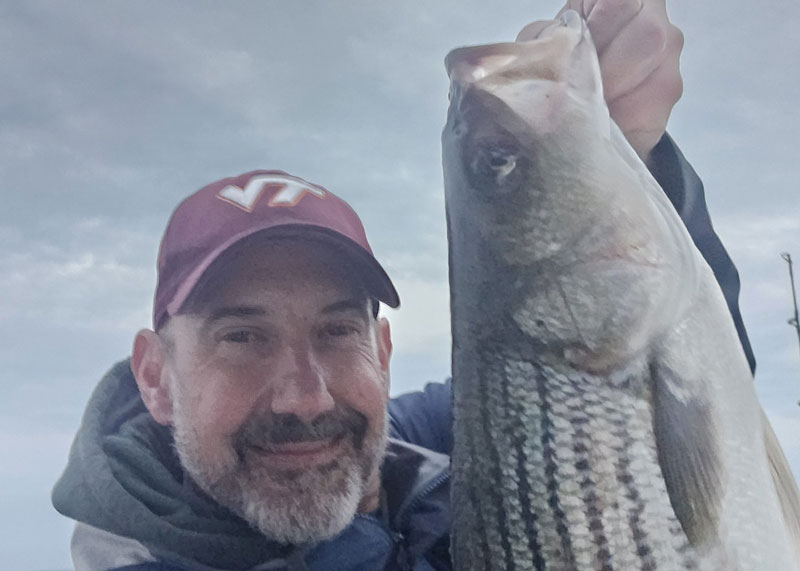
column 525, row 129
column 536, row 79
column 550, row 207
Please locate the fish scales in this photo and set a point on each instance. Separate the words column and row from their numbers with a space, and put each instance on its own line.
column 568, row 489
column 604, row 414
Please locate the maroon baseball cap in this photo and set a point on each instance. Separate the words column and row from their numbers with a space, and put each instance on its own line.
column 225, row 212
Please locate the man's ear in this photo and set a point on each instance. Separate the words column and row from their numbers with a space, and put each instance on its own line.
column 147, row 365
column 384, row 347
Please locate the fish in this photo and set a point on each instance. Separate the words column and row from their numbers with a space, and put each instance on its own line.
column 605, row 416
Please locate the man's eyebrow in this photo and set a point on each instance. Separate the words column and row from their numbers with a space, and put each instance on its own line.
column 235, row 311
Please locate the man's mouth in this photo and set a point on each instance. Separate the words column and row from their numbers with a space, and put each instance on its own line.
column 300, row 454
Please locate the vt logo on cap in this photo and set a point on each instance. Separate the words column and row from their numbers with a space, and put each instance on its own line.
column 288, row 191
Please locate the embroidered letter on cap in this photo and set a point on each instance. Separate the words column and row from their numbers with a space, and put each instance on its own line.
column 289, row 191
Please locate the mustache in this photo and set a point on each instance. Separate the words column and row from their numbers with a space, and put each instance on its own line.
column 270, row 429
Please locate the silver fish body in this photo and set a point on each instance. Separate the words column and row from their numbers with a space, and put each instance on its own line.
column 604, row 412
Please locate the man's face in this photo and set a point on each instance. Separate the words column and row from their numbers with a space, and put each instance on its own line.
column 278, row 377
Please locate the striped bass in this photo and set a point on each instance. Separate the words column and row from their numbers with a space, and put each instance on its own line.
column 605, row 414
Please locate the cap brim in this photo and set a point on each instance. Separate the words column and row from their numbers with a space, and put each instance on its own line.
column 376, row 280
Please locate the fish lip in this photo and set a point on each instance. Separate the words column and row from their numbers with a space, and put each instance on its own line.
column 469, row 64
column 470, row 57
column 572, row 19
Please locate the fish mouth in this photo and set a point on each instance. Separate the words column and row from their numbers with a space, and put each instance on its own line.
column 571, row 19
column 471, row 64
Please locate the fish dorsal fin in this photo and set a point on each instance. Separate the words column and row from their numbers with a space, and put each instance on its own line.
column 689, row 455
column 785, row 486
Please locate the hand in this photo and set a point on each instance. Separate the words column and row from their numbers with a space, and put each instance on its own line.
column 639, row 51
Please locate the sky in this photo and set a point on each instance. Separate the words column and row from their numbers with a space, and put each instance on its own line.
column 111, row 112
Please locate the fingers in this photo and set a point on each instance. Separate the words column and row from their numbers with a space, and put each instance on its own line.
column 643, row 112
column 646, row 44
column 639, row 54
column 606, row 18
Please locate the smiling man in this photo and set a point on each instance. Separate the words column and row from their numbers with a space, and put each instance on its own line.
column 251, row 429
column 250, row 425
column 274, row 377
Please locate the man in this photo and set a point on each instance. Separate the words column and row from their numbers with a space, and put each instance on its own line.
column 249, row 430
column 268, row 371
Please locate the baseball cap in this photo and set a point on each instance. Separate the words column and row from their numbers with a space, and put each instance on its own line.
column 223, row 213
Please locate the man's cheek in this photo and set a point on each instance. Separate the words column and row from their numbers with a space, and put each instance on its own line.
column 225, row 411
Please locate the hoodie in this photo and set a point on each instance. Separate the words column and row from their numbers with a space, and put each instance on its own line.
column 136, row 509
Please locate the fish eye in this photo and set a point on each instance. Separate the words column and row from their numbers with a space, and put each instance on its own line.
column 502, row 163
column 494, row 163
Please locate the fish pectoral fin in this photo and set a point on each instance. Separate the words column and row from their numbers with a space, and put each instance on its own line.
column 785, row 485
column 689, row 455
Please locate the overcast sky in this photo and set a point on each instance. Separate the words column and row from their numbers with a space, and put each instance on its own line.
column 111, row 112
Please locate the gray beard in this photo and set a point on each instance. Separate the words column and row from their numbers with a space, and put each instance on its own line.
column 311, row 510
column 298, row 507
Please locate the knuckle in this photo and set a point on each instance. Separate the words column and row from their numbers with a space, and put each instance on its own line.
column 665, row 85
column 653, row 35
column 675, row 89
column 667, row 89
column 677, row 39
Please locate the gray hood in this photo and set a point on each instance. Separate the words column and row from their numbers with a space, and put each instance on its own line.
column 123, row 476
column 125, row 487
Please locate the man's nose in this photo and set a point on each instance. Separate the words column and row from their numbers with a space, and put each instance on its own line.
column 301, row 389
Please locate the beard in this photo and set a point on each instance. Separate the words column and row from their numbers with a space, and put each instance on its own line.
column 289, row 506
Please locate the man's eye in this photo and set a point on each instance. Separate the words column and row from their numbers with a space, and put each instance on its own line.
column 240, row 337
column 339, row 330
